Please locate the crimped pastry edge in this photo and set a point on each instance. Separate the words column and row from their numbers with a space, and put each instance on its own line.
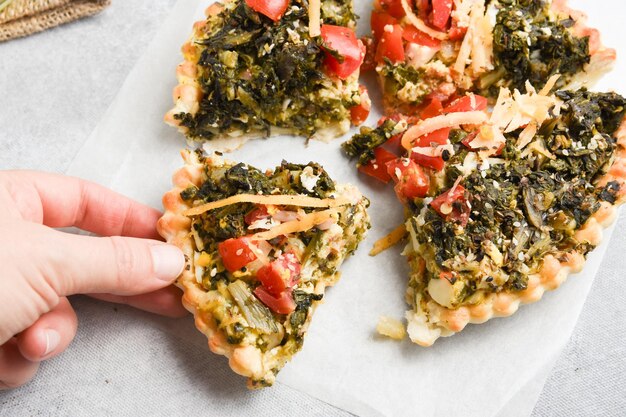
column 553, row 272
column 187, row 95
column 174, row 227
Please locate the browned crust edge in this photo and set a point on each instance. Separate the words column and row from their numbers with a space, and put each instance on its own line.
column 188, row 94
column 175, row 229
column 442, row 321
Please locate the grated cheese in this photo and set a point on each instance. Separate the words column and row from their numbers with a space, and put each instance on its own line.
column 453, row 120
column 279, row 200
column 307, row 222
column 315, row 21
column 388, row 241
column 477, row 46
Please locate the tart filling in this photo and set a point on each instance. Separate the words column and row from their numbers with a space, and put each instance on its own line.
column 500, row 204
column 436, row 49
column 254, row 71
column 261, row 247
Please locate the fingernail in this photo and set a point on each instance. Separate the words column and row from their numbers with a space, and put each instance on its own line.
column 52, row 340
column 168, row 262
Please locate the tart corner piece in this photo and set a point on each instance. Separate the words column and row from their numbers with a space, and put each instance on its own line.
column 440, row 49
column 518, row 223
column 251, row 70
column 260, row 247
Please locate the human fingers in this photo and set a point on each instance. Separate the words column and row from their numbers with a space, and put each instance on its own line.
column 68, row 201
column 15, row 369
column 50, row 335
column 108, row 265
column 166, row 301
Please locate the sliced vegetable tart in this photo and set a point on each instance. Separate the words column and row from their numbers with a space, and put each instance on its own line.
column 425, row 49
column 261, row 248
column 263, row 67
column 501, row 205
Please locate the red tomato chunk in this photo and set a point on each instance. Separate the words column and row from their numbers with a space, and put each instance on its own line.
column 342, row 41
column 411, row 181
column 453, row 205
column 235, row 253
column 274, row 9
column 281, row 304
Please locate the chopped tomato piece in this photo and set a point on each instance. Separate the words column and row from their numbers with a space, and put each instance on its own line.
column 378, row 21
column 342, row 41
column 391, row 46
column 274, row 9
column 235, row 253
column 453, row 205
column 470, row 102
column 369, row 62
column 377, row 167
column 423, row 8
column 433, row 109
column 441, row 13
column 394, row 7
column 414, row 35
column 258, row 213
column 456, row 33
column 411, row 182
column 435, row 162
column 281, row 304
column 440, row 137
column 394, row 144
column 469, row 139
column 280, row 274
column 359, row 114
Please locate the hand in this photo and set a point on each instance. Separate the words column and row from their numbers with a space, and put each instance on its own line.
column 41, row 266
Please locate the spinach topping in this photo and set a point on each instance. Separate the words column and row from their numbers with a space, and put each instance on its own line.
column 256, row 73
column 304, row 301
column 529, row 206
column 362, row 145
column 228, row 222
column 531, row 46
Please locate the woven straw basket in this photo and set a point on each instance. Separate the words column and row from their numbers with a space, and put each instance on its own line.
column 24, row 17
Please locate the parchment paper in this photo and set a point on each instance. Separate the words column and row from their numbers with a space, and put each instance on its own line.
column 497, row 368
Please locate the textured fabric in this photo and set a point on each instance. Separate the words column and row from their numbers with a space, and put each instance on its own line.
column 50, row 104
column 119, row 347
column 25, row 17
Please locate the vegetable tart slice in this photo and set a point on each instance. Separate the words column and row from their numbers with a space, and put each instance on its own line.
column 261, row 248
column 501, row 205
column 263, row 67
column 424, row 49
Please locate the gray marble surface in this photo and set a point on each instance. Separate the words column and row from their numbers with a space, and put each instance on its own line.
column 55, row 87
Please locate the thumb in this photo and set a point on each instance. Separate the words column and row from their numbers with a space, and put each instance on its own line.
column 115, row 265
